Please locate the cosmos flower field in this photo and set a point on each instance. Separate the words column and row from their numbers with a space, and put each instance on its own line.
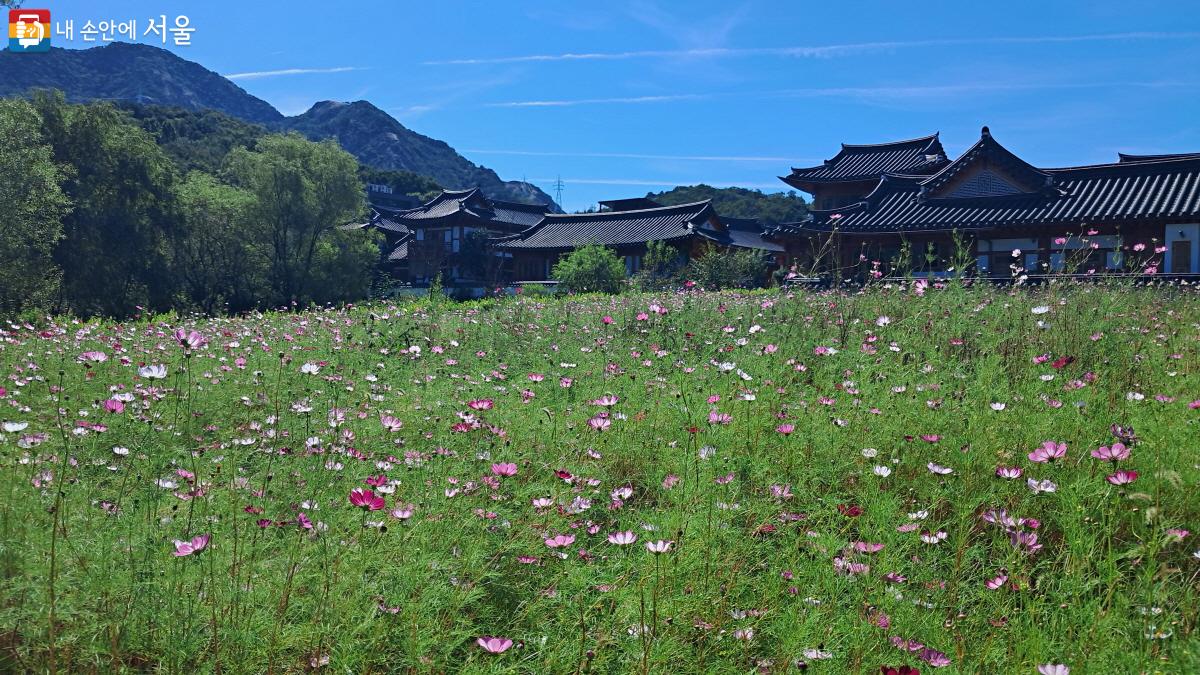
column 905, row 479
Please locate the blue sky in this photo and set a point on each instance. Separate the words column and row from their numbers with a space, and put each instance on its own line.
column 623, row 97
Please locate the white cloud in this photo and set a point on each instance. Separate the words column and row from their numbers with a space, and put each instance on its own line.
column 883, row 93
column 661, row 183
column 561, row 103
column 632, row 155
column 818, row 51
column 259, row 74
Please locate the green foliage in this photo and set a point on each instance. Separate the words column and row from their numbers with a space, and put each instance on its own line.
column 661, row 266
column 32, row 205
column 115, row 249
column 415, row 185
column 194, row 139
column 302, row 191
column 591, row 269
column 770, row 209
column 735, row 268
column 784, row 544
column 219, row 266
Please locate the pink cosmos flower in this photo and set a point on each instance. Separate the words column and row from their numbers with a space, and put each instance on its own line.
column 494, row 645
column 607, row 320
column 504, row 469
column 480, row 404
column 114, row 406
column 1122, row 477
column 391, row 423
column 366, row 499
column 622, row 538
column 997, row 582
column 600, row 423
column 1116, row 452
column 1008, row 472
column 659, row 547
column 867, row 547
column 607, row 401
column 190, row 339
column 1048, row 452
column 785, row 429
column 670, row 481
column 560, row 541
column 1053, row 669
column 197, row 544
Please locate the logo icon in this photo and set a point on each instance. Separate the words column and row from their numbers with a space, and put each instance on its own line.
column 29, row 30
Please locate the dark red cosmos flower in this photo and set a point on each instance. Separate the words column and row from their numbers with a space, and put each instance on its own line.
column 563, row 474
column 851, row 511
column 1063, row 362
column 899, row 670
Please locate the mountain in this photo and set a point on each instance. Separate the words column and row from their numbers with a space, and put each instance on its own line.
column 771, row 209
column 145, row 74
column 120, row 71
column 379, row 141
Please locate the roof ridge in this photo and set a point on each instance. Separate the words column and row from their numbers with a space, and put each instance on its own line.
column 1181, row 158
column 911, row 141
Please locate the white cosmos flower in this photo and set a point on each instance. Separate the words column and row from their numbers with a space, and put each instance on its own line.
column 998, row 406
column 310, row 368
column 1040, row 309
column 153, row 371
column 869, row 452
column 882, row 471
column 14, row 427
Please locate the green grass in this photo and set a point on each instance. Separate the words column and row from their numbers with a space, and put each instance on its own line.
column 755, row 577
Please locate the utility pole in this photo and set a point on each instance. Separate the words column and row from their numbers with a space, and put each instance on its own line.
column 558, row 188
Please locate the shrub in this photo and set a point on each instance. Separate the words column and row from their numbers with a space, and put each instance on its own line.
column 741, row 268
column 660, row 267
column 591, row 269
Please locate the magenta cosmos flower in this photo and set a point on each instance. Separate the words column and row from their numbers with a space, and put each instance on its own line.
column 1048, row 452
column 366, row 499
column 1009, row 472
column 494, row 645
column 196, row 545
column 1122, row 477
column 599, row 423
column 480, row 404
column 504, row 469
column 560, row 541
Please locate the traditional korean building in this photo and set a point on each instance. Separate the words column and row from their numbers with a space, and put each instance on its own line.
column 1139, row 214
column 628, row 226
column 449, row 234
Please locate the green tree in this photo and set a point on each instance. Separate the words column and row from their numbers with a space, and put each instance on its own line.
column 770, row 209
column 32, row 205
column 303, row 191
column 660, row 266
column 591, row 269
column 216, row 262
column 735, row 268
column 115, row 251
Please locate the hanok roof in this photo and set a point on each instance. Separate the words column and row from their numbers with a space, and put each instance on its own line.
column 614, row 228
column 740, row 233
column 629, row 204
column 639, row 226
column 1013, row 193
column 856, row 163
column 1125, row 157
column 471, row 208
